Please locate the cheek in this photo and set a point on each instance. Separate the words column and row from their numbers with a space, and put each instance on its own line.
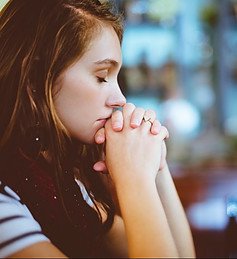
column 78, row 114
column 77, row 123
column 71, row 97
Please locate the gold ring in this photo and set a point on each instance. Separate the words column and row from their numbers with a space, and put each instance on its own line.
column 147, row 120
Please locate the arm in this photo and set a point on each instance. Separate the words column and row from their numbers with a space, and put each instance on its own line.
column 20, row 235
column 147, row 229
column 168, row 202
column 133, row 159
column 175, row 213
column 39, row 250
column 116, row 241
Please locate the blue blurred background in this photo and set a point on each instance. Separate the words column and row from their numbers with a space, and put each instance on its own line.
column 180, row 58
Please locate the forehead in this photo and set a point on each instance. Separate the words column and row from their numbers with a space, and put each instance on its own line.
column 105, row 45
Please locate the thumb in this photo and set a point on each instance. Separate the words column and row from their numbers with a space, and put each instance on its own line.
column 100, row 136
column 100, row 166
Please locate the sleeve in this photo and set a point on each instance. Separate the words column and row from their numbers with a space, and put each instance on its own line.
column 18, row 228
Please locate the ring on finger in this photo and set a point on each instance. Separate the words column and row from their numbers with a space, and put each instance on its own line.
column 147, row 119
column 150, row 116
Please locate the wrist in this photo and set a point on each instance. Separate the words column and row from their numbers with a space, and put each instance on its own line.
column 132, row 187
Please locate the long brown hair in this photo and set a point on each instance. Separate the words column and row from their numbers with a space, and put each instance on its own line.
column 39, row 39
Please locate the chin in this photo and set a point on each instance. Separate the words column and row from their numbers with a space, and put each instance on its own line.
column 92, row 141
column 88, row 140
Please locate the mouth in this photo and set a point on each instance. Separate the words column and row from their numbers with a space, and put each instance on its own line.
column 102, row 121
column 105, row 118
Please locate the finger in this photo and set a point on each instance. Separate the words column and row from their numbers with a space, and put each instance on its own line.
column 100, row 136
column 136, row 117
column 146, row 125
column 128, row 109
column 117, row 120
column 164, row 133
column 149, row 115
column 156, row 127
column 148, row 119
column 100, row 167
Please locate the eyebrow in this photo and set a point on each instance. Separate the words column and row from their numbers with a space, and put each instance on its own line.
column 107, row 61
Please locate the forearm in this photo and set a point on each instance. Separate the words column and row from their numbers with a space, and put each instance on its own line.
column 175, row 214
column 115, row 241
column 147, row 229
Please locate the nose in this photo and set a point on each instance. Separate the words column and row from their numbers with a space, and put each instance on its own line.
column 116, row 98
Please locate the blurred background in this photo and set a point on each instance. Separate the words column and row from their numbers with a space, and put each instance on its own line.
column 180, row 59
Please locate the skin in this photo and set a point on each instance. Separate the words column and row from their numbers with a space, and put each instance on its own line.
column 144, row 145
column 87, row 93
column 148, row 201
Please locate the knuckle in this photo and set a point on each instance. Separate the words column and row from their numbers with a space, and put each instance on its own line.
column 128, row 110
column 139, row 110
column 150, row 111
column 157, row 123
column 165, row 130
column 129, row 106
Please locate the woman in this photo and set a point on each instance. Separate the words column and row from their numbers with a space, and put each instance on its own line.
column 59, row 96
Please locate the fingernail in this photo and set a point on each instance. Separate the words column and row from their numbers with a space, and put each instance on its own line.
column 100, row 138
column 135, row 123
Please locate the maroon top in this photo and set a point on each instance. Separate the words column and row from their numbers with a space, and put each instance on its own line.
column 75, row 234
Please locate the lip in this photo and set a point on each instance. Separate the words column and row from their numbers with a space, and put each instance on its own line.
column 105, row 118
column 102, row 122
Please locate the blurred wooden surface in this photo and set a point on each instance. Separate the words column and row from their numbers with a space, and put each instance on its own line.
column 203, row 193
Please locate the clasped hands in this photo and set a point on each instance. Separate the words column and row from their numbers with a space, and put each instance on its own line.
column 123, row 123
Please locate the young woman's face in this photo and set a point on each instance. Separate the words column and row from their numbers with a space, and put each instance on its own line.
column 88, row 90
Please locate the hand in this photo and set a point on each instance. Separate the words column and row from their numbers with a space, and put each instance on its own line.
column 133, row 153
column 163, row 156
column 117, row 125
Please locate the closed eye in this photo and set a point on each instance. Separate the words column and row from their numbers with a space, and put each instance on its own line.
column 101, row 80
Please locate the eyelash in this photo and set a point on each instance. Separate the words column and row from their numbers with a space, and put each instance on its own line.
column 101, row 80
